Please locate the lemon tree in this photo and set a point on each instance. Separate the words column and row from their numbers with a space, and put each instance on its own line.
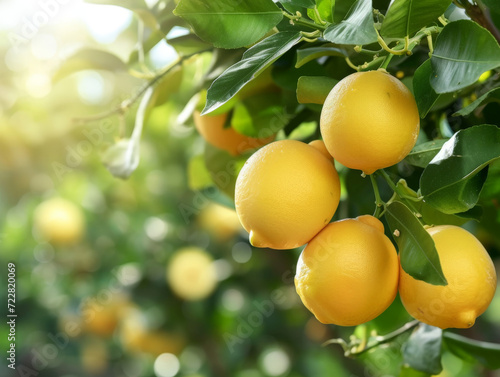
column 301, row 173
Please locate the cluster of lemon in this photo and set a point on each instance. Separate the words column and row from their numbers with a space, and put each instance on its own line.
column 349, row 272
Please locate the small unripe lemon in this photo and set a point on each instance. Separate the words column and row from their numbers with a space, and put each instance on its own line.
column 348, row 274
column 59, row 221
column 285, row 194
column 191, row 274
column 369, row 121
column 211, row 128
column 471, row 280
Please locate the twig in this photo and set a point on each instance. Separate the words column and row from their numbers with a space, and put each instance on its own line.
column 482, row 17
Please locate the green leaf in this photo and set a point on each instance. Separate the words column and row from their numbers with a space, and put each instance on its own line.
column 139, row 7
column 453, row 180
column 259, row 115
column 89, row 59
column 492, row 96
column 357, row 29
column 254, row 61
column 305, row 55
column 228, row 23
column 188, row 44
column 314, row 89
column 417, row 251
column 325, row 10
column 425, row 95
column 405, row 17
column 494, row 5
column 167, row 85
column 422, row 351
column 464, row 50
column 423, row 153
column 488, row 354
column 198, row 175
column 300, row 3
column 410, row 372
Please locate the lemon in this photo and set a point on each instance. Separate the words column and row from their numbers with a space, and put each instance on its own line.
column 59, row 221
column 191, row 274
column 101, row 317
column 369, row 121
column 221, row 222
column 471, row 280
column 348, row 274
column 285, row 194
column 211, row 128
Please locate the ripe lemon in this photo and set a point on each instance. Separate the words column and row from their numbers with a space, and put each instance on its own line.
column 348, row 274
column 221, row 222
column 471, row 282
column 211, row 128
column 369, row 121
column 102, row 317
column 191, row 274
column 59, row 221
column 285, row 194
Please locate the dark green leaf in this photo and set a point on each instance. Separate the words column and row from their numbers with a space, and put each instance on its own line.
column 494, row 5
column 464, row 50
column 422, row 351
column 453, row 180
column 314, row 89
column 471, row 350
column 254, row 61
column 425, row 95
column 410, row 372
column 405, row 17
column 306, row 55
column 423, row 153
column 491, row 96
column 357, row 29
column 300, row 3
column 228, row 23
column 89, row 59
column 417, row 251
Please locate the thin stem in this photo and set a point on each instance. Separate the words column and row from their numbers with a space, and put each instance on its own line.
column 126, row 104
column 299, row 20
column 386, row 61
column 387, row 338
column 379, row 203
column 443, row 20
column 318, row 16
column 401, row 194
column 429, row 43
column 350, row 64
column 384, row 45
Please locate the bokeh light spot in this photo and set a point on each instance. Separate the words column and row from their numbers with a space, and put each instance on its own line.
column 166, row 365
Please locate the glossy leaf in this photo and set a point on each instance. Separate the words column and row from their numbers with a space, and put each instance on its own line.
column 314, row 89
column 463, row 51
column 89, row 59
column 300, row 3
column 454, row 178
column 325, row 11
column 417, row 251
column 306, row 55
column 230, row 24
column 423, row 153
column 425, row 95
column 357, row 29
column 405, row 17
column 473, row 351
column 422, row 351
column 254, row 61
column 491, row 96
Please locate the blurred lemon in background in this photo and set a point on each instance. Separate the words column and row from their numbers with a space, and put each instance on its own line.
column 191, row 274
column 59, row 221
column 101, row 317
column 220, row 221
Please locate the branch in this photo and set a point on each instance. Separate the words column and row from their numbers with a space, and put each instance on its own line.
column 483, row 18
column 126, row 104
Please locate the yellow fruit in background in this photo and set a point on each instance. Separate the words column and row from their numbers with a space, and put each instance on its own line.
column 348, row 274
column 191, row 274
column 219, row 221
column 285, row 194
column 471, row 280
column 101, row 317
column 369, row 121
column 94, row 356
column 59, row 221
column 211, row 128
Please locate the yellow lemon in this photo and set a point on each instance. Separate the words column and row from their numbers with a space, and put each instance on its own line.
column 348, row 274
column 211, row 128
column 285, row 194
column 101, row 317
column 369, row 121
column 59, row 221
column 191, row 274
column 220, row 221
column 471, row 280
